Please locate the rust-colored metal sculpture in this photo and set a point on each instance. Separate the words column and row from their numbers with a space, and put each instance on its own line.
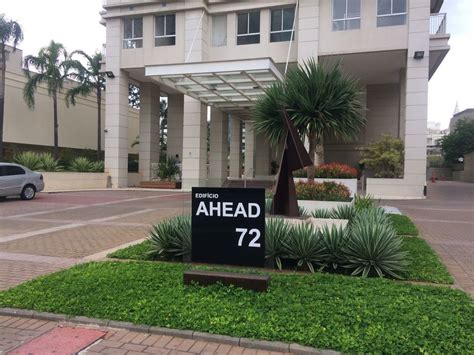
column 294, row 157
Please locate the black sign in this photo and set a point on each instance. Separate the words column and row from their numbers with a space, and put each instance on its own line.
column 228, row 226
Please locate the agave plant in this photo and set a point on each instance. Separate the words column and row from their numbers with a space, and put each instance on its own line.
column 31, row 160
column 82, row 165
column 276, row 232
column 322, row 213
column 374, row 247
column 305, row 246
column 171, row 238
column 98, row 166
column 167, row 169
column 344, row 212
column 334, row 239
column 303, row 212
column 48, row 163
column 364, row 202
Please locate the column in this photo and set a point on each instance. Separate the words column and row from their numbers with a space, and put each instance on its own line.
column 416, row 99
column 174, row 139
column 194, row 161
column 196, row 36
column 219, row 148
column 235, row 154
column 308, row 30
column 149, row 129
column 249, row 163
column 262, row 156
column 116, row 110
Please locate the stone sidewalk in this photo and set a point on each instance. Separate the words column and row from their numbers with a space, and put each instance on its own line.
column 446, row 220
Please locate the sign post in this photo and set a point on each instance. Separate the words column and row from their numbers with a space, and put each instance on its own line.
column 228, row 226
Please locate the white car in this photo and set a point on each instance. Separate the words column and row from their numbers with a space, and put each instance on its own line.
column 17, row 180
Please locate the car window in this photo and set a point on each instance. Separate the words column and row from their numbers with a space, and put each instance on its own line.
column 10, row 170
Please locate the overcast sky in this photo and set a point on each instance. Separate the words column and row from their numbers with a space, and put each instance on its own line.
column 77, row 27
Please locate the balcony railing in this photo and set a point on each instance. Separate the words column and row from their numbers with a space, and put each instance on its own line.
column 438, row 24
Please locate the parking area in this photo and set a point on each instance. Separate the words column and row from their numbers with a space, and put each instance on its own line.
column 58, row 230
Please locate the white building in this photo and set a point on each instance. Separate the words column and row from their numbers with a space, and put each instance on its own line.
column 222, row 54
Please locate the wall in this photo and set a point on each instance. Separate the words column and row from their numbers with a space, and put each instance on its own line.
column 467, row 175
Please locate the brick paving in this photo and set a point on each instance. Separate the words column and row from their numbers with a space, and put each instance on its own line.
column 446, row 220
column 15, row 331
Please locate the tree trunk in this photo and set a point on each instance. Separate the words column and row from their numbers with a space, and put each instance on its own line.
column 312, row 149
column 2, row 98
column 56, row 125
column 99, row 123
column 320, row 152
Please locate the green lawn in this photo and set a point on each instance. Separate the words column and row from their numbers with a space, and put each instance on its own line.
column 424, row 263
column 403, row 225
column 349, row 314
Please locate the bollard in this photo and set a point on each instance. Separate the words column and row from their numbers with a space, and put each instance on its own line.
column 433, row 177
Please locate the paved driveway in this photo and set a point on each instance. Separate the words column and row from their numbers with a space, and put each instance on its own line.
column 446, row 221
column 59, row 230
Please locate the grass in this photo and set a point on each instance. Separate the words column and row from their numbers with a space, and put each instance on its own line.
column 325, row 311
column 403, row 225
column 424, row 266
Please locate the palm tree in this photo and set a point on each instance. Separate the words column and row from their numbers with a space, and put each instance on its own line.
column 10, row 32
column 320, row 100
column 52, row 67
column 91, row 80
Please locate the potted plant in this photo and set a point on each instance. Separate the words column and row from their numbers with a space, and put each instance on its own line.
column 167, row 171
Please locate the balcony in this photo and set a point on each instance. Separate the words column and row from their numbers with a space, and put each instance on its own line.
column 438, row 24
column 439, row 39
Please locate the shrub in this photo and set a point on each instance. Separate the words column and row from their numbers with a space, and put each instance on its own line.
column 31, row 160
column 325, row 191
column 82, row 165
column 344, row 212
column 322, row 213
column 435, row 161
column 334, row 239
column 171, row 238
column 385, row 158
column 48, row 163
column 305, row 246
column 335, row 171
column 374, row 247
column 98, row 166
column 276, row 232
column 268, row 205
column 364, row 202
column 167, row 169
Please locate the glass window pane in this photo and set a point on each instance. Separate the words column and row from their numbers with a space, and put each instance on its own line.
column 384, row 7
column 170, row 25
column 353, row 8
column 159, row 26
column 14, row 170
column 276, row 20
column 338, row 25
column 399, row 6
column 165, row 41
column 254, row 22
column 339, row 9
column 352, row 24
column 396, row 20
column 288, row 17
column 280, row 36
column 127, row 28
column 137, row 27
column 242, row 23
column 251, row 39
column 219, row 30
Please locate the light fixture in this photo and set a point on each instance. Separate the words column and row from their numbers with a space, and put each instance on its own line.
column 110, row 74
column 419, row 55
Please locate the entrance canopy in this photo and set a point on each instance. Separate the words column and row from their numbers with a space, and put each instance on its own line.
column 229, row 85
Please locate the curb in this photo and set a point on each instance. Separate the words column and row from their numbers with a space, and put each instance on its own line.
column 188, row 334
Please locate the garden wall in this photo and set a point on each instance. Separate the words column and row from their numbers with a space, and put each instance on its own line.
column 74, row 181
column 466, row 175
column 396, row 189
column 134, row 179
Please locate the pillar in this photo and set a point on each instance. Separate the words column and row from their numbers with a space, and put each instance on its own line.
column 249, row 163
column 116, row 110
column 262, row 156
column 174, row 139
column 149, row 128
column 194, row 161
column 308, row 30
column 235, row 154
column 219, row 148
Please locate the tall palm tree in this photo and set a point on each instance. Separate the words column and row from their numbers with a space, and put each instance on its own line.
column 91, row 80
column 52, row 67
column 320, row 100
column 10, row 33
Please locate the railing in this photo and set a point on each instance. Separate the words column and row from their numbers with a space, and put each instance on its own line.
column 438, row 24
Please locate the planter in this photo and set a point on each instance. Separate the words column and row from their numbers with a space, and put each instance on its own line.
column 351, row 184
column 60, row 181
column 161, row 184
column 311, row 205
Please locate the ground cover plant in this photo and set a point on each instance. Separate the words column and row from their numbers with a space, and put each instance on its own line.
column 403, row 224
column 320, row 310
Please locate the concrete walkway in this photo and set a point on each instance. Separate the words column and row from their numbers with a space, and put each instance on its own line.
column 446, row 220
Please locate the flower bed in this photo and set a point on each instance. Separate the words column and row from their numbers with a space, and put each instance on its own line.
column 318, row 195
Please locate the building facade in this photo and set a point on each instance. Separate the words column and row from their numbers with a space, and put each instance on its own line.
column 223, row 54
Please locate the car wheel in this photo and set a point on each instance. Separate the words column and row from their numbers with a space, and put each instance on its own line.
column 28, row 192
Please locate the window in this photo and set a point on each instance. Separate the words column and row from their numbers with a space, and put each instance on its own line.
column 248, row 28
column 13, row 170
column 133, row 32
column 391, row 12
column 345, row 15
column 219, row 30
column 165, row 30
column 282, row 25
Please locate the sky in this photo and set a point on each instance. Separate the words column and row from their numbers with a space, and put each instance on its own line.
column 77, row 27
